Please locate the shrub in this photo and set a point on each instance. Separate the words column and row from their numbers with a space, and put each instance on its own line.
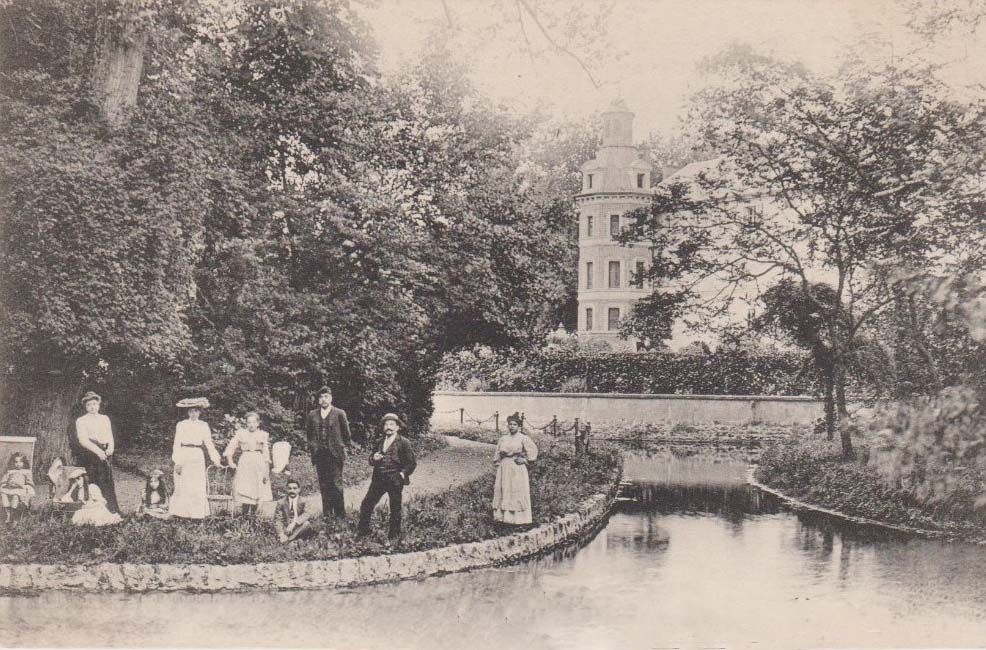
column 728, row 372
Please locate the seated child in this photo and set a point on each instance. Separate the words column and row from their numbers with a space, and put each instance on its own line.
column 155, row 500
column 93, row 510
column 291, row 517
column 16, row 486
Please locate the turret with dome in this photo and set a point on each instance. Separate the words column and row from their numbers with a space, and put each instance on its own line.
column 615, row 182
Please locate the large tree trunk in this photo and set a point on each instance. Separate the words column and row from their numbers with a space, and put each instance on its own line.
column 830, row 420
column 921, row 343
column 845, row 433
column 118, row 66
column 41, row 407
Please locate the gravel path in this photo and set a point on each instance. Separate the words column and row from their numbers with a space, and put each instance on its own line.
column 460, row 462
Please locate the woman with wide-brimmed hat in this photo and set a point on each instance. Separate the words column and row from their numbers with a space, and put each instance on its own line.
column 95, row 435
column 193, row 440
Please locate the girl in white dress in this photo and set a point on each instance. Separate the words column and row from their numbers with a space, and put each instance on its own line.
column 193, row 440
column 251, row 484
column 512, row 490
column 93, row 510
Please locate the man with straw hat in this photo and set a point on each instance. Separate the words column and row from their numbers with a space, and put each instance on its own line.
column 393, row 462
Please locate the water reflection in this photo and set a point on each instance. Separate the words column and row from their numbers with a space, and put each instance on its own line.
column 700, row 560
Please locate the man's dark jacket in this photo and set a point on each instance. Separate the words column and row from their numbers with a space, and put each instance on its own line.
column 399, row 458
column 328, row 436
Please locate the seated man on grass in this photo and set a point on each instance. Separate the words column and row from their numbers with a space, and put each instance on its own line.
column 291, row 517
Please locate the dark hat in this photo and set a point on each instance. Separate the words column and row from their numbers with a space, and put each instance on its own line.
column 515, row 418
column 193, row 403
column 324, row 390
column 90, row 396
column 392, row 416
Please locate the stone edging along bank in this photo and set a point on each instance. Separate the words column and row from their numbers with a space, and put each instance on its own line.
column 311, row 574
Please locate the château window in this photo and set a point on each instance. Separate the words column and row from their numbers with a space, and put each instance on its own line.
column 588, row 178
column 614, row 318
column 588, row 275
column 640, row 180
column 614, row 226
column 614, row 275
column 588, row 318
column 588, row 226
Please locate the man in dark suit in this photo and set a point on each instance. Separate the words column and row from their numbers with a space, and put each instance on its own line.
column 393, row 462
column 291, row 518
column 328, row 439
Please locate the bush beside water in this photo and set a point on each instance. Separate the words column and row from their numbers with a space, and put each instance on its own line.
column 813, row 470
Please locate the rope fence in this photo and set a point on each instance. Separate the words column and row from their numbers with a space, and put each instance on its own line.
column 582, row 431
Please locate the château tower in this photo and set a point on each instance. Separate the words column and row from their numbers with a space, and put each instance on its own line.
column 615, row 182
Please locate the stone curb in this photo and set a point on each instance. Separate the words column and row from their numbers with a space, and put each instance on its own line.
column 314, row 574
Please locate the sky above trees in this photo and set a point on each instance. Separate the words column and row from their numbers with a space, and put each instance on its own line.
column 647, row 50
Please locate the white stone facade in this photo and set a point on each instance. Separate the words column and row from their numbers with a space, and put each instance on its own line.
column 615, row 182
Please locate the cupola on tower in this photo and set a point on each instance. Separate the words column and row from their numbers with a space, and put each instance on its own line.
column 615, row 182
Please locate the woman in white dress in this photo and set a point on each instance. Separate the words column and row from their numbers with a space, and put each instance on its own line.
column 512, row 490
column 251, row 484
column 193, row 440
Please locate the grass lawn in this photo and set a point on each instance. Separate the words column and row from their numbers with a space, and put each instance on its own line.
column 460, row 514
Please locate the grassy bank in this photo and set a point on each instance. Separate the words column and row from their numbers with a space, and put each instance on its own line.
column 461, row 514
column 812, row 470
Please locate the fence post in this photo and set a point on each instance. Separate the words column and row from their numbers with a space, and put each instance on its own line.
column 522, row 419
column 496, row 420
column 554, row 426
column 578, row 439
column 462, row 416
column 588, row 433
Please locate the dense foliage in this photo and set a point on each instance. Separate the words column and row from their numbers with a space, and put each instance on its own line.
column 268, row 216
column 722, row 373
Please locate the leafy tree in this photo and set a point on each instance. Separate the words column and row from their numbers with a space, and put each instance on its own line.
column 820, row 180
column 103, row 205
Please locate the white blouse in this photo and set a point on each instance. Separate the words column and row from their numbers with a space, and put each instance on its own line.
column 95, row 427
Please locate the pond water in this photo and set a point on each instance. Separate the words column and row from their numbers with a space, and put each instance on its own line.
column 701, row 560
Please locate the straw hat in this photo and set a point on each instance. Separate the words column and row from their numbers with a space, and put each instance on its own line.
column 76, row 473
column 90, row 396
column 193, row 403
column 392, row 416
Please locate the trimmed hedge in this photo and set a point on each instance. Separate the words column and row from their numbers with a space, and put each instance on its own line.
column 720, row 373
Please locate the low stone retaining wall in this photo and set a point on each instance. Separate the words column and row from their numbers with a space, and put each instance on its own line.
column 616, row 408
column 320, row 574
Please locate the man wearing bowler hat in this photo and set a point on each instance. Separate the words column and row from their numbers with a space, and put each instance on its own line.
column 328, row 439
column 393, row 462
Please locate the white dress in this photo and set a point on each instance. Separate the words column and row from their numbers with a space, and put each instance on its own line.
column 193, row 440
column 251, row 484
column 94, row 510
column 512, row 490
